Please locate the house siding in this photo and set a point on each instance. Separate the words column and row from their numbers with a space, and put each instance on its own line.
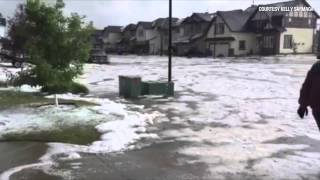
column 2, row 31
column 303, row 37
column 198, row 46
column 114, row 38
column 155, row 45
column 147, row 34
column 251, row 44
column 111, row 40
column 159, row 42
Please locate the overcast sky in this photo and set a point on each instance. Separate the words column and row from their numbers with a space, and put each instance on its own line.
column 122, row 12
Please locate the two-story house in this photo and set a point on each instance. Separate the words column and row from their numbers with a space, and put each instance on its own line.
column 97, row 39
column 128, row 36
column 111, row 37
column 191, row 38
column 229, row 35
column 144, row 33
column 158, row 44
column 97, row 53
column 285, row 31
column 2, row 30
column 290, row 28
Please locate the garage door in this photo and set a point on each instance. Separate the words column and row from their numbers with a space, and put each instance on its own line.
column 222, row 50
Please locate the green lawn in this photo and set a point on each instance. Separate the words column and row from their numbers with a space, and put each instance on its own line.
column 11, row 99
column 78, row 134
column 75, row 134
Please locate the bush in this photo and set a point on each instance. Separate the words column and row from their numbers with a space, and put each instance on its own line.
column 74, row 88
column 3, row 84
column 23, row 77
column 77, row 88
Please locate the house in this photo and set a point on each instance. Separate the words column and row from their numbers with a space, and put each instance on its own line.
column 256, row 31
column 191, row 37
column 285, row 32
column 144, row 33
column 97, row 39
column 111, row 37
column 3, row 23
column 128, row 36
column 229, row 35
column 158, row 44
column 97, row 53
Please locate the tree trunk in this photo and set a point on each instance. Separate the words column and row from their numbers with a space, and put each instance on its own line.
column 56, row 100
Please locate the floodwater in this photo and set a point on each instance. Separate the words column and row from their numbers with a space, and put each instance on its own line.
column 230, row 119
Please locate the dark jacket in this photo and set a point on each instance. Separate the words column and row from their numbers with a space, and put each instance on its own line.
column 310, row 91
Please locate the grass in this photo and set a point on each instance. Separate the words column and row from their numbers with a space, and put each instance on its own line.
column 79, row 134
column 3, row 84
column 11, row 99
column 75, row 134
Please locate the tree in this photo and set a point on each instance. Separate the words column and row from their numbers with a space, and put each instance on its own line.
column 56, row 45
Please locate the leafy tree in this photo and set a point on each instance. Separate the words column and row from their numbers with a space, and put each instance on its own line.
column 56, row 45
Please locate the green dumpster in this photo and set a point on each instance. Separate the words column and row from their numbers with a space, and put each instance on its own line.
column 129, row 86
column 157, row 88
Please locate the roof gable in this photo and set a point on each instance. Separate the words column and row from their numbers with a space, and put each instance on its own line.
column 112, row 29
column 198, row 17
column 236, row 20
column 130, row 27
column 163, row 23
column 144, row 24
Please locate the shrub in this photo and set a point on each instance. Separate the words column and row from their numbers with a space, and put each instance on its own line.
column 22, row 77
column 77, row 88
column 73, row 87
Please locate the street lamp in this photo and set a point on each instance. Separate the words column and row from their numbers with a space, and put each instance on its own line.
column 170, row 43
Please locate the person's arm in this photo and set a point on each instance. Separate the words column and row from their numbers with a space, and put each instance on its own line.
column 305, row 90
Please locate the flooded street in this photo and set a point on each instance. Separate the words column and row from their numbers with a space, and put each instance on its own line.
column 230, row 119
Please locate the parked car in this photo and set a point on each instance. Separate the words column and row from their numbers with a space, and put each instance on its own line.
column 17, row 61
column 98, row 57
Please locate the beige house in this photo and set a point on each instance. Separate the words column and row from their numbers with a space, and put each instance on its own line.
column 144, row 33
column 285, row 32
column 253, row 31
column 112, row 35
column 228, row 34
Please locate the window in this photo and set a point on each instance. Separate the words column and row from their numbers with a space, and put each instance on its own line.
column 288, row 42
column 268, row 42
column 140, row 32
column 220, row 28
column 242, row 45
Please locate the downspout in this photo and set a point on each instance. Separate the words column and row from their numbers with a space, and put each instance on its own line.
column 214, row 35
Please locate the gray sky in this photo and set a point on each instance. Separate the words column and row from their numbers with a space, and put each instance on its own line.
column 122, row 12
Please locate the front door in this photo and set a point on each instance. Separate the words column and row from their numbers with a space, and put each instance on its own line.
column 269, row 44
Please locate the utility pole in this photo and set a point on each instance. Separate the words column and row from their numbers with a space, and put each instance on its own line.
column 170, row 43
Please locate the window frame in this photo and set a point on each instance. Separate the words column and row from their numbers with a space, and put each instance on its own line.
column 220, row 28
column 288, row 41
column 242, row 45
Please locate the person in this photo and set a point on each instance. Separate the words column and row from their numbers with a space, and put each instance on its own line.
column 310, row 94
